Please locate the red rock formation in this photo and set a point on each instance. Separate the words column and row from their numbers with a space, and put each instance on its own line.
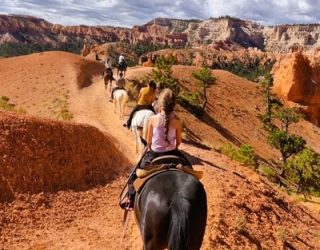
column 220, row 32
column 35, row 30
column 297, row 79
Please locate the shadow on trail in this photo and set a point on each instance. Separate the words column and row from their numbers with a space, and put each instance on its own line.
column 206, row 118
column 194, row 160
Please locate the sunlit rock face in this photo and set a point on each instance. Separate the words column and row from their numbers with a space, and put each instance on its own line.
column 165, row 31
column 297, row 79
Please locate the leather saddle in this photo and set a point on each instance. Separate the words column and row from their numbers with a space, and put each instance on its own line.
column 163, row 164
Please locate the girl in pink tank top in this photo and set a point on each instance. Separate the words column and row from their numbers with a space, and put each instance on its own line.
column 160, row 142
column 163, row 138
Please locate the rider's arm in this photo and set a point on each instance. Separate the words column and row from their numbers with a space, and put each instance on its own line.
column 149, row 133
column 139, row 96
column 154, row 97
column 178, row 134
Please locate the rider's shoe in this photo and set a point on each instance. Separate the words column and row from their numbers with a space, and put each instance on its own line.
column 127, row 205
column 126, row 125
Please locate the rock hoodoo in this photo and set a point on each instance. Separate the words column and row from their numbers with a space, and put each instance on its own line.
column 297, row 79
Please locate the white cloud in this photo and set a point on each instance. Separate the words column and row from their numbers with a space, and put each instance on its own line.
column 129, row 12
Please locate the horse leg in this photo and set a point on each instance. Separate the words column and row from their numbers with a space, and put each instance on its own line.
column 110, row 86
column 115, row 104
column 136, row 138
column 140, row 142
column 124, row 102
column 121, row 107
column 105, row 82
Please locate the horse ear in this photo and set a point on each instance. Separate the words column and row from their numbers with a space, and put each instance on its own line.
column 144, row 142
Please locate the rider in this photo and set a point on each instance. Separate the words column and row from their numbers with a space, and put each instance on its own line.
column 146, row 97
column 120, row 83
column 108, row 67
column 121, row 59
column 108, row 64
column 163, row 138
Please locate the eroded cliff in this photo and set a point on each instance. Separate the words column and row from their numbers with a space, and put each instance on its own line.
column 297, row 79
column 165, row 31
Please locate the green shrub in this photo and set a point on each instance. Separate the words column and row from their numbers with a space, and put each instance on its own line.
column 144, row 47
column 191, row 101
column 163, row 73
column 268, row 172
column 65, row 114
column 245, row 154
column 61, row 105
column 303, row 170
column 287, row 116
column 205, row 79
column 249, row 68
column 227, row 149
column 6, row 105
column 287, row 144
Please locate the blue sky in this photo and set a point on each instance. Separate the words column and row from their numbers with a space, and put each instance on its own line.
column 135, row 12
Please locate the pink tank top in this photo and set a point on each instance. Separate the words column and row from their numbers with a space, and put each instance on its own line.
column 159, row 143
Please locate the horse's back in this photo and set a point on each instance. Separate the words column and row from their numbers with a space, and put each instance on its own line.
column 140, row 116
column 169, row 183
column 172, row 200
column 120, row 94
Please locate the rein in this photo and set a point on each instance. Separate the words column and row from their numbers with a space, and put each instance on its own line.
column 126, row 215
column 122, row 194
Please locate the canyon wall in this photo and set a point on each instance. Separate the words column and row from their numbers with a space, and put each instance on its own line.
column 165, row 31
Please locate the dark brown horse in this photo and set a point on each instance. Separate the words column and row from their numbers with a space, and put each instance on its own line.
column 108, row 78
column 122, row 68
column 171, row 211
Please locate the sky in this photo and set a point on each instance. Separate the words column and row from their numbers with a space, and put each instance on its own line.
column 136, row 12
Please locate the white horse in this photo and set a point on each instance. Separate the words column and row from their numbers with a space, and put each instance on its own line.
column 120, row 98
column 139, row 126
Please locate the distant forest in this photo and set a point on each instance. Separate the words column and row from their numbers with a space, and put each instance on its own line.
column 18, row 49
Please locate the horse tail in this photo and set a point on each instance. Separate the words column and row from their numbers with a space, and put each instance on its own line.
column 179, row 233
column 145, row 127
column 123, row 99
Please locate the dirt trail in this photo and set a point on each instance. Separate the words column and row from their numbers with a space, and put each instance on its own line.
column 245, row 212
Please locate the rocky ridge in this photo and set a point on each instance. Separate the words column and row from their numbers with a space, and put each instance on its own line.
column 172, row 32
column 26, row 29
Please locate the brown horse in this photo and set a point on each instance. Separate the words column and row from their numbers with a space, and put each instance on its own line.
column 122, row 68
column 171, row 211
column 108, row 78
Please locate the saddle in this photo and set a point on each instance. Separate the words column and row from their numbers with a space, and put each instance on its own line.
column 163, row 164
column 122, row 65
